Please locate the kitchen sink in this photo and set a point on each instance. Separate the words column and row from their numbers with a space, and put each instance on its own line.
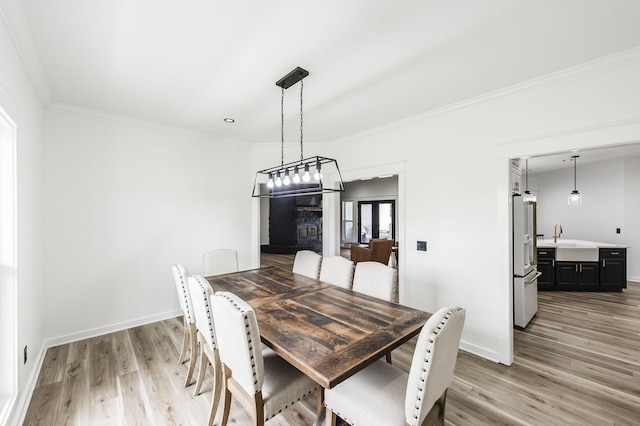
column 576, row 253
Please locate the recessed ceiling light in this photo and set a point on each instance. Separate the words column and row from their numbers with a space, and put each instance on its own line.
column 229, row 120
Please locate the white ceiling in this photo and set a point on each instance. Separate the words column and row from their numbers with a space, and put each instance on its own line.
column 194, row 62
column 560, row 161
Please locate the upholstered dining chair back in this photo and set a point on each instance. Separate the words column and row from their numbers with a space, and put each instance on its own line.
column 337, row 270
column 201, row 292
column 188, row 320
column 239, row 340
column 264, row 383
column 383, row 394
column 307, row 263
column 375, row 279
column 180, row 278
column 220, row 261
column 433, row 364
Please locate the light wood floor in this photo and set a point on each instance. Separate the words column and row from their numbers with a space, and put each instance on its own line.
column 577, row 363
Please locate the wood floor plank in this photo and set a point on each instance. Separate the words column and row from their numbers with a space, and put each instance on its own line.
column 44, row 405
column 577, row 363
column 56, row 358
column 74, row 407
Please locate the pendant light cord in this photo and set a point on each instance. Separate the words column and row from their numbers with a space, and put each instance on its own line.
column 301, row 87
column 282, row 127
column 575, row 186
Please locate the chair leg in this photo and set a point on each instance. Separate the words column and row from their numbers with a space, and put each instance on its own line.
column 185, row 340
column 194, row 353
column 217, row 386
column 320, row 400
column 227, row 396
column 435, row 416
column 330, row 418
column 258, row 409
column 201, row 371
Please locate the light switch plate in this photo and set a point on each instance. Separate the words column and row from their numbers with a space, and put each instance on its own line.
column 422, row 246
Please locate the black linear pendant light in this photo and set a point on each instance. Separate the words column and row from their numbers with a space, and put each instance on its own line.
column 294, row 178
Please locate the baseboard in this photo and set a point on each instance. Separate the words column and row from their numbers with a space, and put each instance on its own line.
column 55, row 341
column 480, row 351
column 634, row 279
column 19, row 410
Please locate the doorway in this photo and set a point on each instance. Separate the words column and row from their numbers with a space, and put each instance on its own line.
column 8, row 302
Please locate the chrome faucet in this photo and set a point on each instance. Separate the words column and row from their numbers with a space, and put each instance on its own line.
column 556, row 234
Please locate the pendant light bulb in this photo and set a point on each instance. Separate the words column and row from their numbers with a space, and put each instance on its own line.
column 270, row 183
column 306, row 177
column 286, row 179
column 296, row 175
column 278, row 179
column 318, row 173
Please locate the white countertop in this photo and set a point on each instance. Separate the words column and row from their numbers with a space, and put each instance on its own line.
column 561, row 242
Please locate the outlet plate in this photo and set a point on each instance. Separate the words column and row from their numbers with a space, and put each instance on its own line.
column 617, row 230
column 422, row 246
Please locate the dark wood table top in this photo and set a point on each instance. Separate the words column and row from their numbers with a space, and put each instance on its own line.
column 327, row 332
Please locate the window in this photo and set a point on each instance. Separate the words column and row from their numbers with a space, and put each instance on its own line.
column 8, row 329
column 377, row 220
column 346, row 234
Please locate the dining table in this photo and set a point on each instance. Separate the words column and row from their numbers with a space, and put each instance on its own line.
column 327, row 332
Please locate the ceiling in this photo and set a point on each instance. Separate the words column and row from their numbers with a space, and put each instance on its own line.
column 192, row 63
column 561, row 161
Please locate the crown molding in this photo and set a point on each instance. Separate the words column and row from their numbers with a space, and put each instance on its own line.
column 12, row 15
column 567, row 75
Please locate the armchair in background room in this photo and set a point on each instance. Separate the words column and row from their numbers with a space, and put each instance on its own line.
column 377, row 251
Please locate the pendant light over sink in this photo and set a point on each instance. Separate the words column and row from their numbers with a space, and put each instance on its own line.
column 575, row 198
column 294, row 178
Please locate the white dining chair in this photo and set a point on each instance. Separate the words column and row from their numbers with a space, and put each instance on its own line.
column 375, row 279
column 264, row 383
column 382, row 394
column 307, row 263
column 201, row 292
column 219, row 261
column 189, row 339
column 337, row 270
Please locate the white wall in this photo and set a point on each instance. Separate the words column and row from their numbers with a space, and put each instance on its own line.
column 602, row 210
column 21, row 103
column 631, row 230
column 609, row 200
column 457, row 194
column 125, row 201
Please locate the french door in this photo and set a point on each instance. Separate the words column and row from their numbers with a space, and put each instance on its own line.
column 377, row 219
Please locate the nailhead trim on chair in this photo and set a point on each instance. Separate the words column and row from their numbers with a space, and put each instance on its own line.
column 183, row 285
column 250, row 342
column 424, row 368
column 207, row 305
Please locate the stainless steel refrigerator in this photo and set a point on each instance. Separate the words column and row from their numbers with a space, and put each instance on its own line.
column 525, row 260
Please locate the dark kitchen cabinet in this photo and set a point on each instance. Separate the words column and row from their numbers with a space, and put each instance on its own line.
column 577, row 276
column 547, row 267
column 613, row 268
